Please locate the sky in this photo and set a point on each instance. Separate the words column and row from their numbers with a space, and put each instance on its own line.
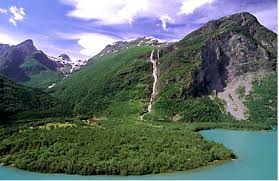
column 82, row 28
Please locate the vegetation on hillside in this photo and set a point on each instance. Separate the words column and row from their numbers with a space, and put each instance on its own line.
column 124, row 77
column 39, row 75
column 17, row 101
column 262, row 101
column 177, row 69
column 107, row 147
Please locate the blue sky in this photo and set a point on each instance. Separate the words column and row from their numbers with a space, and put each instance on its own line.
column 81, row 28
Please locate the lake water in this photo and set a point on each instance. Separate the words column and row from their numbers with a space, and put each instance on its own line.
column 256, row 151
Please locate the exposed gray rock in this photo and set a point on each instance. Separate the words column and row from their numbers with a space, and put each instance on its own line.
column 236, row 48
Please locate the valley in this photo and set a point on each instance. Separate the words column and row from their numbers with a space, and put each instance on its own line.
column 137, row 107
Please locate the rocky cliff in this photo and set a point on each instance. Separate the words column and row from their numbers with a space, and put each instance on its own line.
column 221, row 57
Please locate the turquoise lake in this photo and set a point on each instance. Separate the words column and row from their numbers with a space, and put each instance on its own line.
column 256, row 151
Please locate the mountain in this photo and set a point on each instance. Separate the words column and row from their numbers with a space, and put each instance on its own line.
column 27, row 65
column 218, row 59
column 66, row 65
column 13, row 56
column 18, row 101
column 199, row 77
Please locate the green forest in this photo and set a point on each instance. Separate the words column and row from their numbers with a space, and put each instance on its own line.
column 108, row 147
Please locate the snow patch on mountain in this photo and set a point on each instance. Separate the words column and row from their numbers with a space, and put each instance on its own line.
column 141, row 41
column 66, row 65
column 51, row 86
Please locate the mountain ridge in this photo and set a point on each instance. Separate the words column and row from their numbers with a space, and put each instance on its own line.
column 140, row 41
column 27, row 65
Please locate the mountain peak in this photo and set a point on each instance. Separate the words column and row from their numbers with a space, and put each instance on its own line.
column 27, row 42
column 243, row 18
column 241, row 15
column 27, row 46
column 65, row 57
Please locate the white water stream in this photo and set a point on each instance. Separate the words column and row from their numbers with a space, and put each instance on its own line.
column 155, row 77
column 154, row 61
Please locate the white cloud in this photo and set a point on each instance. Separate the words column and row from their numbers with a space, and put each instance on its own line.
column 189, row 6
column 3, row 11
column 91, row 43
column 18, row 14
column 12, row 21
column 164, row 20
column 108, row 11
column 7, row 39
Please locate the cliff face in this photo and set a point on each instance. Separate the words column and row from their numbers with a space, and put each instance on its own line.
column 230, row 54
column 221, row 57
column 231, row 60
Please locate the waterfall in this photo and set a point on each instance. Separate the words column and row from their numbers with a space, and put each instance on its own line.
column 155, row 77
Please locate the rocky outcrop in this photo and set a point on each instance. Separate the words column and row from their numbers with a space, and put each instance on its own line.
column 229, row 58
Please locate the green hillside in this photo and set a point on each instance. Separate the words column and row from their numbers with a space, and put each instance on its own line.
column 40, row 76
column 115, row 84
column 262, row 102
column 17, row 101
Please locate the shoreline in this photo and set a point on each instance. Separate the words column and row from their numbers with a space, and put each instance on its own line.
column 196, row 128
column 179, row 174
column 210, row 165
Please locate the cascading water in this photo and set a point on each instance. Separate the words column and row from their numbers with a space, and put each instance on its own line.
column 155, row 77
